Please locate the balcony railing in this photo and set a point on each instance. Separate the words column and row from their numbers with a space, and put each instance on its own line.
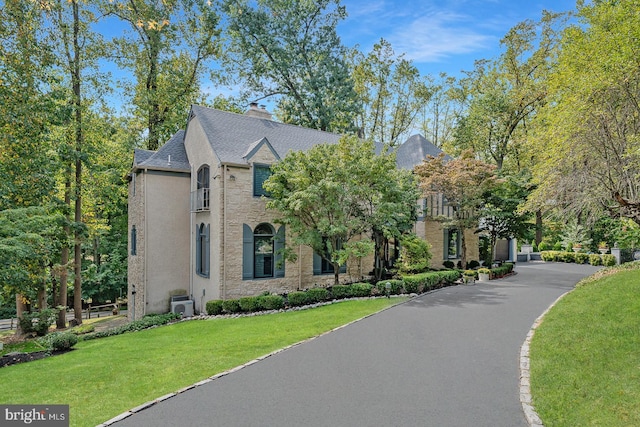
column 200, row 200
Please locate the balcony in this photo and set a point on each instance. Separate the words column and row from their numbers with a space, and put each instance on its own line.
column 200, row 201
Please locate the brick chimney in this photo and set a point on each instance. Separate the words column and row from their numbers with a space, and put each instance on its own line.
column 258, row 112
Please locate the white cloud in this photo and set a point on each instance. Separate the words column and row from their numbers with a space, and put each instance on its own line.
column 438, row 35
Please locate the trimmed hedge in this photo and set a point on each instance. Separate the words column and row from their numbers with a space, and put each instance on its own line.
column 418, row 283
column 271, row 302
column 298, row 298
column 580, row 258
column 214, row 307
column 315, row 295
column 249, row 304
column 231, row 306
column 361, row 290
column 503, row 270
column 397, row 286
column 341, row 292
column 146, row 322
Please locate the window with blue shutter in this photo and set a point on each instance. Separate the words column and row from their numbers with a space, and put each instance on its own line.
column 262, row 252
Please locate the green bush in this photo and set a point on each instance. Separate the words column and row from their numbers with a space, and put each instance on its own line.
column 297, row 299
column 557, row 246
column 341, row 292
column 544, row 246
column 415, row 254
column 581, row 258
column 315, row 295
column 361, row 290
column 146, row 322
column 567, row 256
column 38, row 321
column 448, row 264
column 595, row 259
column 249, row 304
column 473, row 264
column 608, row 260
column 231, row 306
column 61, row 341
column 397, row 287
column 214, row 307
column 271, row 302
column 503, row 270
column 411, row 285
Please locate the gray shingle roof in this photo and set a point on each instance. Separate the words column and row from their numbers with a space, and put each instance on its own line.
column 171, row 156
column 231, row 134
column 415, row 150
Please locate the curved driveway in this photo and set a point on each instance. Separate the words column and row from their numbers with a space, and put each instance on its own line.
column 448, row 358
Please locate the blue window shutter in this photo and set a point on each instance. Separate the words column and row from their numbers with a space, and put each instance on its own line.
column 247, row 252
column 207, row 246
column 198, row 247
column 278, row 248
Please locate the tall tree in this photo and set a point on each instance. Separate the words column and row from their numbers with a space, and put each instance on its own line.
column 290, row 50
column 589, row 147
column 333, row 194
column 391, row 91
column 504, row 94
column 167, row 50
column 438, row 116
column 462, row 181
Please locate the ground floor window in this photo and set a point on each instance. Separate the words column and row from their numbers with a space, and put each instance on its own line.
column 261, row 252
column 451, row 243
column 202, row 250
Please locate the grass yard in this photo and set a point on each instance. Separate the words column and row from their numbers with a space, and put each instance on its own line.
column 585, row 356
column 105, row 377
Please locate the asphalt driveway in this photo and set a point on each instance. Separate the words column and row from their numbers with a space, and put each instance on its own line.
column 448, row 358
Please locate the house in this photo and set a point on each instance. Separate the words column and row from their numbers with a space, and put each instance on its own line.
column 198, row 221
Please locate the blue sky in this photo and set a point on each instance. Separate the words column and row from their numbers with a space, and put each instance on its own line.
column 440, row 36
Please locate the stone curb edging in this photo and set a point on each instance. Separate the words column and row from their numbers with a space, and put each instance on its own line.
column 533, row 419
column 232, row 370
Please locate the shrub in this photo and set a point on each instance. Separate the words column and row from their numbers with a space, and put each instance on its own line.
column 249, row 304
column 396, row 286
column 448, row 264
column 595, row 259
column 470, row 273
column 214, row 307
column 315, row 295
column 411, row 286
column 608, row 260
column 415, row 254
column 557, row 246
column 38, row 321
column 361, row 290
column 61, row 341
column 297, row 299
column 581, row 257
column 146, row 322
column 503, row 270
column 484, row 271
column 473, row 264
column 341, row 292
column 231, row 306
column 271, row 302
column 544, row 246
column 567, row 257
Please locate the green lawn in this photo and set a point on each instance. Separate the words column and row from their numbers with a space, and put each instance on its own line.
column 585, row 357
column 103, row 378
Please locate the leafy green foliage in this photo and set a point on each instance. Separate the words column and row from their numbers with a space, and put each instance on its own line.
column 146, row 322
column 332, row 194
column 61, row 341
column 291, row 49
column 214, row 307
column 415, row 254
column 297, row 299
column 271, row 302
column 317, row 295
column 38, row 321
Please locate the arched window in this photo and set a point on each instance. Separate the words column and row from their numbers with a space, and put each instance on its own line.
column 203, row 189
column 263, row 250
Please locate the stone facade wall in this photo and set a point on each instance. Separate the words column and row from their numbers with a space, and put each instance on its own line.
column 135, row 266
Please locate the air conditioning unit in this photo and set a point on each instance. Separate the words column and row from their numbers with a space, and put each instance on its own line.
column 182, row 307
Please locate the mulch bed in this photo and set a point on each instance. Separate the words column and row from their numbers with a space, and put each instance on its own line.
column 15, row 358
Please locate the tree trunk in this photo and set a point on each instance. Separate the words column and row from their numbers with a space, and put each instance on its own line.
column 19, row 312
column 538, row 226
column 463, row 255
column 61, row 300
column 77, row 97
